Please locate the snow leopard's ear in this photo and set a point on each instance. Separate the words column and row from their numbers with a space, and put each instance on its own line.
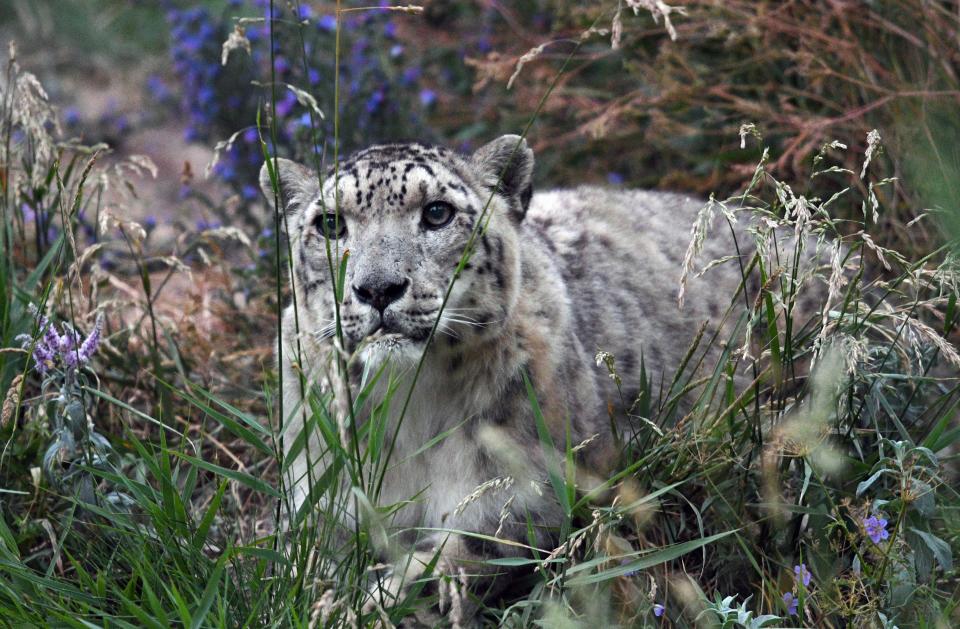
column 297, row 184
column 506, row 166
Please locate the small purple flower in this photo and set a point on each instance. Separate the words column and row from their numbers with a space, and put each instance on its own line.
column 792, row 602
column 281, row 65
column 304, row 120
column 396, row 50
column 410, row 76
column 121, row 124
column 876, row 528
column 375, row 100
column 150, row 222
column 802, row 575
column 71, row 117
column 615, row 179
column 327, row 23
column 91, row 344
column 658, row 610
column 157, row 88
column 428, row 97
column 28, row 214
column 285, row 104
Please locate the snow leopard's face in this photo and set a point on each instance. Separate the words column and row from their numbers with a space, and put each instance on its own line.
column 404, row 217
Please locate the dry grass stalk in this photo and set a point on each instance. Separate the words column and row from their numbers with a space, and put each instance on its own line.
column 237, row 40
column 494, row 484
column 659, row 10
column 11, row 402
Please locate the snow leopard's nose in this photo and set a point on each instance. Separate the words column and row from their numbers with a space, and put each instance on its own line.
column 380, row 292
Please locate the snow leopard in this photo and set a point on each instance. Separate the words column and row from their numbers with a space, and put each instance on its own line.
column 487, row 305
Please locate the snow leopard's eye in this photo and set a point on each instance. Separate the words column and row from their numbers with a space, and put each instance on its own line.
column 330, row 225
column 437, row 214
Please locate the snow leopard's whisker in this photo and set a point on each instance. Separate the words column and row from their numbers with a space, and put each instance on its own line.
column 326, row 331
column 458, row 317
column 463, row 321
column 473, row 322
column 443, row 328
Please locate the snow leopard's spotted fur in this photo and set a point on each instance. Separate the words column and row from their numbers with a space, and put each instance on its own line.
column 552, row 280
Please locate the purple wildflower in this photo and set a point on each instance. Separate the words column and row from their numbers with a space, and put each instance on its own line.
column 51, row 348
column 428, row 97
column 70, row 342
column 28, row 214
column 410, row 76
column 71, row 116
column 305, row 120
column 376, row 99
column 802, row 574
column 327, row 23
column 792, row 602
column 876, row 528
column 43, row 354
column 658, row 610
column 615, row 179
column 285, row 105
column 91, row 344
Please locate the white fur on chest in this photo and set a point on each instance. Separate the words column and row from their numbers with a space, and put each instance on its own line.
column 438, row 476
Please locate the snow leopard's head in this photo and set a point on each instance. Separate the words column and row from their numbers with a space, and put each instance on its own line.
column 402, row 216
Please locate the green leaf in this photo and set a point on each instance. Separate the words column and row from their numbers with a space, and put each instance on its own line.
column 204, row 528
column 263, row 553
column 241, row 477
column 865, row 485
column 209, row 593
column 649, row 560
column 549, row 450
column 144, row 619
column 342, row 275
column 940, row 549
column 37, row 274
column 228, row 422
column 516, row 561
column 924, row 501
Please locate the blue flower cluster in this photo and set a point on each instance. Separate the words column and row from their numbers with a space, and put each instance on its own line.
column 377, row 82
column 194, row 48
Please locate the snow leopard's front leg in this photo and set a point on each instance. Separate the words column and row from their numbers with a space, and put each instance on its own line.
column 455, row 569
column 445, row 578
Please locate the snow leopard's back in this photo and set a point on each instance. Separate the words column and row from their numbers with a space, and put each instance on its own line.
column 621, row 255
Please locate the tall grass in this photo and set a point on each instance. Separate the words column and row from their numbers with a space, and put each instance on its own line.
column 725, row 496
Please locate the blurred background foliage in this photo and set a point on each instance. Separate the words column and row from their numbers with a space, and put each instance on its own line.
column 652, row 112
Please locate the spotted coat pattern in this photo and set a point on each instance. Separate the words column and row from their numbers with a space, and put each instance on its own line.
column 551, row 279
